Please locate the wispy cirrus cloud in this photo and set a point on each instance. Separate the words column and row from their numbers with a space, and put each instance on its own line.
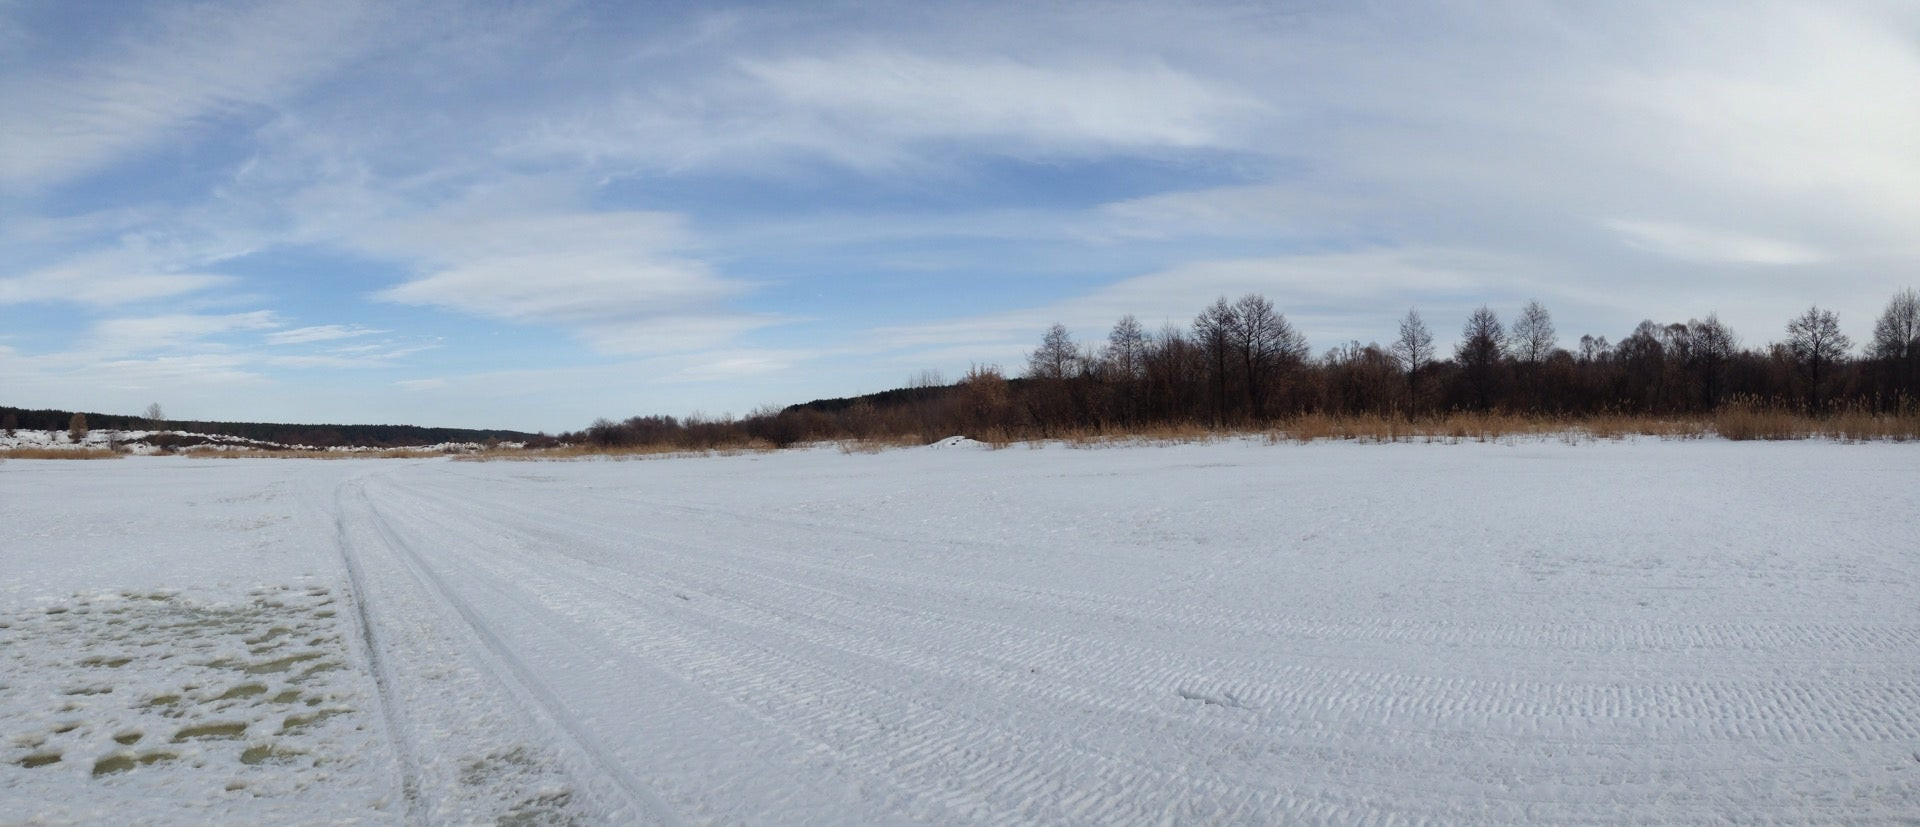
column 320, row 333
column 186, row 63
column 1710, row 245
column 105, row 278
column 852, row 100
column 622, row 280
column 140, row 334
column 878, row 109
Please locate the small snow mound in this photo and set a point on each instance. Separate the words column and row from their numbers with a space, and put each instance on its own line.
column 957, row 442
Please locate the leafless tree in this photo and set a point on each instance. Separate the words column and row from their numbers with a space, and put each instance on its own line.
column 1896, row 345
column 1123, row 362
column 1483, row 342
column 1642, row 361
column 1532, row 342
column 9, row 423
column 1713, row 345
column 1815, row 340
column 1897, row 334
column 1057, row 358
column 1594, row 349
column 1533, row 336
column 156, row 418
column 1126, row 355
column 77, row 427
column 1267, row 345
column 1213, row 332
column 1413, row 349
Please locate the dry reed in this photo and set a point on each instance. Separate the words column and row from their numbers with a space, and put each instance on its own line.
column 58, row 453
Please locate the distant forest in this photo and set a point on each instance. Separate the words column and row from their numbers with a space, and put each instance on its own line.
column 1242, row 365
column 317, row 436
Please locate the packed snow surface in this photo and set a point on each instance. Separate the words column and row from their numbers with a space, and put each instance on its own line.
column 1671, row 632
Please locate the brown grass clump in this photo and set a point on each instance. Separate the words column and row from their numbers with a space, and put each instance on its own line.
column 628, row 452
column 1746, row 419
column 300, row 453
column 1472, row 426
column 58, row 453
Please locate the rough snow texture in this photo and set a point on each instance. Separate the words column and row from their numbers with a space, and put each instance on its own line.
column 1650, row 632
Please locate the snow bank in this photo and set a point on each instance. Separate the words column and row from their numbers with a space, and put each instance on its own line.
column 957, row 442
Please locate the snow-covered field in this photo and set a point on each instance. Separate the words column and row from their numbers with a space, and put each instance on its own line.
column 1227, row 633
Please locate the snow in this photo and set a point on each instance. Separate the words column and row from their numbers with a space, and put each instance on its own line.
column 1533, row 631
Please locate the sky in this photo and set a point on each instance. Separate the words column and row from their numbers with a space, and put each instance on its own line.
column 532, row 215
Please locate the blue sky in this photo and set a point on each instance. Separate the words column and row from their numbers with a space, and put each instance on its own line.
column 530, row 215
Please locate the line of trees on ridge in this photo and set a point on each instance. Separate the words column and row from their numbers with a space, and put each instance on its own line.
column 1241, row 364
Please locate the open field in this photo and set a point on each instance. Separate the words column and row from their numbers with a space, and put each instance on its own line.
column 1647, row 631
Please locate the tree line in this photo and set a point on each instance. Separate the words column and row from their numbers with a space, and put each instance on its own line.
column 1242, row 364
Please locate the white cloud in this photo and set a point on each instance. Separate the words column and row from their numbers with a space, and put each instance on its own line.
column 621, row 280
column 103, row 278
column 195, row 61
column 857, row 97
column 1711, row 246
column 137, row 335
column 883, row 108
column 87, row 382
column 319, row 333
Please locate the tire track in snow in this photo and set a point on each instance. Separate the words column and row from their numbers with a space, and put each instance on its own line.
column 840, row 613
column 959, row 757
column 1432, row 700
column 1687, row 710
column 1180, row 618
column 512, row 671
column 390, row 712
column 673, row 707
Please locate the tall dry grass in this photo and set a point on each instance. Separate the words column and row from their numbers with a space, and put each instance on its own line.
column 263, row 453
column 59, row 453
column 1746, row 419
column 626, row 452
column 1471, row 426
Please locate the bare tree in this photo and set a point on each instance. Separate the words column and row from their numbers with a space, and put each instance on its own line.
column 1816, row 343
column 156, row 418
column 1055, row 368
column 1642, row 361
column 77, row 427
column 1124, row 363
column 9, row 423
column 1896, row 345
column 1057, row 358
column 1533, row 337
column 1266, row 344
column 1126, row 354
column 1213, row 332
column 1176, row 372
column 1482, row 344
column 1594, row 349
column 1712, row 346
column 1413, row 349
column 1531, row 343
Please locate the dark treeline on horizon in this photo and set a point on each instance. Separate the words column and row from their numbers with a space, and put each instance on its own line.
column 1241, row 364
column 317, row 436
